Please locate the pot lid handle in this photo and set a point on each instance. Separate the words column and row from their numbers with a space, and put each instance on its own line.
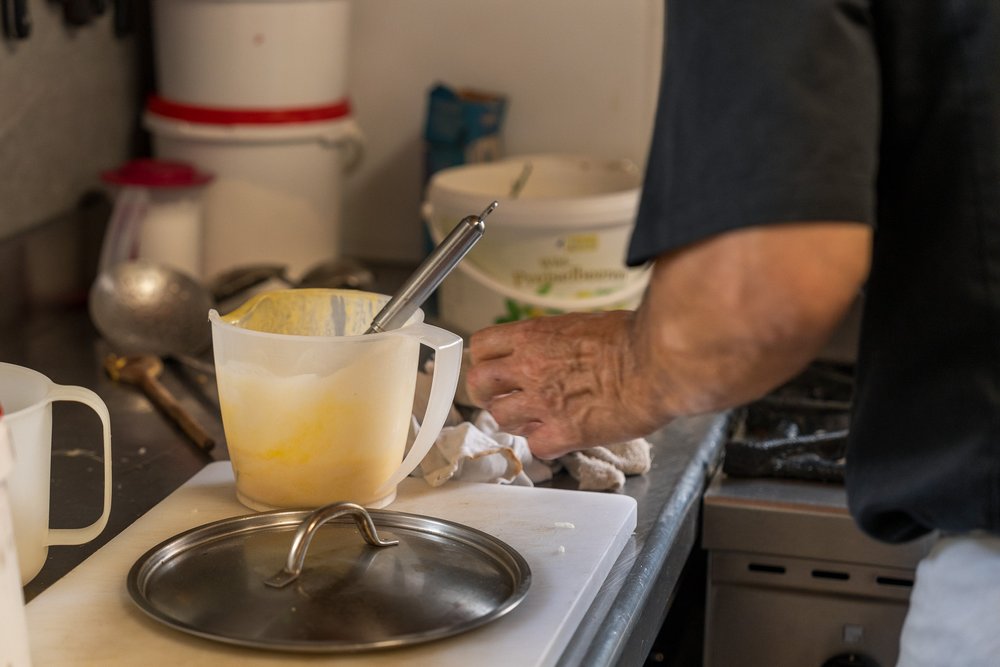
column 307, row 529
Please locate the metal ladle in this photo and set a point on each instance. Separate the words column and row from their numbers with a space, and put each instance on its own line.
column 148, row 308
column 145, row 307
column 157, row 312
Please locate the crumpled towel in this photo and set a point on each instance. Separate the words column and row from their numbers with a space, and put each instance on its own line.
column 605, row 468
column 478, row 451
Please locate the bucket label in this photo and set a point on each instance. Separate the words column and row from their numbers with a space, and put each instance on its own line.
column 545, row 280
column 579, row 265
column 516, row 310
column 582, row 243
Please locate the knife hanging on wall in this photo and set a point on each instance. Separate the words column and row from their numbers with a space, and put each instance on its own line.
column 77, row 12
column 16, row 19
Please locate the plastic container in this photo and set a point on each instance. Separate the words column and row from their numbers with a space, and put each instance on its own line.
column 314, row 411
column 157, row 215
column 276, row 196
column 28, row 398
column 13, row 624
column 251, row 53
column 555, row 245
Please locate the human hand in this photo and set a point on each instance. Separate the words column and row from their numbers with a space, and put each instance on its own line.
column 565, row 383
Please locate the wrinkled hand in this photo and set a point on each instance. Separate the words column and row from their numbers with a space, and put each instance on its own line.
column 565, row 383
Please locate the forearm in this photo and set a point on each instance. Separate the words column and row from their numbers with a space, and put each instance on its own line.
column 722, row 322
column 728, row 319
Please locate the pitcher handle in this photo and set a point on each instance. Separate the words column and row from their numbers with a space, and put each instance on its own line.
column 93, row 401
column 447, row 348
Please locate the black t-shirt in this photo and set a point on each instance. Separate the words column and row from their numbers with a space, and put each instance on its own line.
column 885, row 113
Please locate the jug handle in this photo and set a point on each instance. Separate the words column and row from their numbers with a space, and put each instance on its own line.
column 93, row 401
column 447, row 348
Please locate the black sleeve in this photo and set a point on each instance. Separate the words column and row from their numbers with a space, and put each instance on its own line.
column 768, row 113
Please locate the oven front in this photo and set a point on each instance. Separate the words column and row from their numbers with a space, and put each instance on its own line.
column 792, row 581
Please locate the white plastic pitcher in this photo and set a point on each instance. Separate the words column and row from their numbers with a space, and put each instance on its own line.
column 27, row 398
column 157, row 215
column 13, row 625
column 314, row 411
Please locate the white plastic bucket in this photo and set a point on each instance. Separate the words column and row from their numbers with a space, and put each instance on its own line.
column 251, row 53
column 557, row 246
column 276, row 196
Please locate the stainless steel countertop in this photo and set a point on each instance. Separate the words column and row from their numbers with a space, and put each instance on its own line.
column 623, row 621
column 152, row 458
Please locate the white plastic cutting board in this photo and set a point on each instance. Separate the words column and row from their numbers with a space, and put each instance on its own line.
column 570, row 539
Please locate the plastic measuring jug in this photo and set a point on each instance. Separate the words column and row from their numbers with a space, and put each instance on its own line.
column 27, row 398
column 316, row 412
column 13, row 624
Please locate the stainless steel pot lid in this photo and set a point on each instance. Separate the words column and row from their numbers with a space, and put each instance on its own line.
column 306, row 581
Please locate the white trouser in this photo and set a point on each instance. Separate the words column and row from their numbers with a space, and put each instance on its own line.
column 954, row 617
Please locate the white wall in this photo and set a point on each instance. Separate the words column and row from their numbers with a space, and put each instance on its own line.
column 580, row 76
column 67, row 98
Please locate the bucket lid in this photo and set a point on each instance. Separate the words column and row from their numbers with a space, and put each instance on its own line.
column 152, row 173
column 232, row 116
column 541, row 191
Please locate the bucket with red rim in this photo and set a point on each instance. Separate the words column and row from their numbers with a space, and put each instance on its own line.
column 276, row 196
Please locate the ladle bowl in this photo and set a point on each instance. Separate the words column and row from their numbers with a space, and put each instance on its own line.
column 139, row 306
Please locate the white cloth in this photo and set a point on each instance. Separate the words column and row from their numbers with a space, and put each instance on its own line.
column 478, row 451
column 954, row 616
column 605, row 468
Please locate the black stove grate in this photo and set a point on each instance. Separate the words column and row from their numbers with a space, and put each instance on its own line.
column 799, row 431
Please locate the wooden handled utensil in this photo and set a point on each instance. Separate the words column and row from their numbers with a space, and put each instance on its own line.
column 143, row 370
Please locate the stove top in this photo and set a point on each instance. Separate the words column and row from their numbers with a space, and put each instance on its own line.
column 799, row 431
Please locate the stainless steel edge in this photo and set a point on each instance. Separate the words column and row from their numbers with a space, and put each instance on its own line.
column 630, row 607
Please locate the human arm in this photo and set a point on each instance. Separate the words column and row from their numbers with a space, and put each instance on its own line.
column 722, row 322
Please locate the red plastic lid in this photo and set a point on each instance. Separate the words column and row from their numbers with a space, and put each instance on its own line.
column 221, row 116
column 157, row 174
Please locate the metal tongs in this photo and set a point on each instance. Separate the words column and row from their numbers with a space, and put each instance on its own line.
column 431, row 272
